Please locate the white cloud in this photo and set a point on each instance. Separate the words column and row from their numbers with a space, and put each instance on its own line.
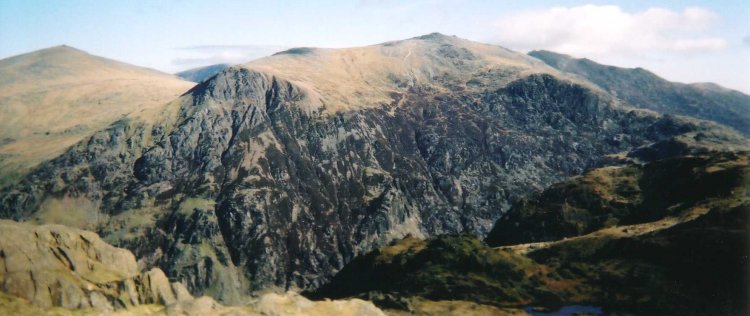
column 198, row 56
column 593, row 30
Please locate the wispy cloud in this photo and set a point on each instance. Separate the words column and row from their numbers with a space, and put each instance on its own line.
column 746, row 39
column 593, row 30
column 203, row 55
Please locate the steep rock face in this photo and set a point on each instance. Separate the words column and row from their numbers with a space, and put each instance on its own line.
column 250, row 181
column 644, row 89
column 53, row 265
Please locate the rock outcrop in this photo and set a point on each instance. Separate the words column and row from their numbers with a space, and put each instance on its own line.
column 271, row 304
column 54, row 265
column 58, row 270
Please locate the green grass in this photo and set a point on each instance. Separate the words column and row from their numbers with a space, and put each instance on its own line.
column 189, row 205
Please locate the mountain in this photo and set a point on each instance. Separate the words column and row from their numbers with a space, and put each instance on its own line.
column 53, row 98
column 276, row 173
column 643, row 89
column 202, row 73
column 667, row 237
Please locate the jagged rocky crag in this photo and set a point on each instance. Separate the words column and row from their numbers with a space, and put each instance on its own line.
column 686, row 255
column 271, row 174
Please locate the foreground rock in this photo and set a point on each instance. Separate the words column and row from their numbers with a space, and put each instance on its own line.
column 288, row 304
column 54, row 265
column 53, row 269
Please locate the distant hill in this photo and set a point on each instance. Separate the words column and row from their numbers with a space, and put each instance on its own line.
column 202, row 73
column 644, row 89
column 52, row 98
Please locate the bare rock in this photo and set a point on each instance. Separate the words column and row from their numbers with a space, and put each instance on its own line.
column 291, row 303
column 54, row 265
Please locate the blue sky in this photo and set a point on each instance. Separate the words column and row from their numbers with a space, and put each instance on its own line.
column 688, row 41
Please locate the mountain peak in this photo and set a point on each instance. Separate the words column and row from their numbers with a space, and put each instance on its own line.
column 297, row 51
column 62, row 47
column 435, row 36
column 47, row 54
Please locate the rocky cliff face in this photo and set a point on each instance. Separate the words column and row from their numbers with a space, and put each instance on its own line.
column 253, row 179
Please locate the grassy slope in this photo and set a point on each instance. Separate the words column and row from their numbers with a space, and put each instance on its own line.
column 53, row 98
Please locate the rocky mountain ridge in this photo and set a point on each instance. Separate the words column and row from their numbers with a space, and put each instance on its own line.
column 644, row 89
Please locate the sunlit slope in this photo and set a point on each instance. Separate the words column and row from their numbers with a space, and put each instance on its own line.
column 52, row 98
column 370, row 76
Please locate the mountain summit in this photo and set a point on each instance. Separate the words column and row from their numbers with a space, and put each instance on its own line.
column 369, row 76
